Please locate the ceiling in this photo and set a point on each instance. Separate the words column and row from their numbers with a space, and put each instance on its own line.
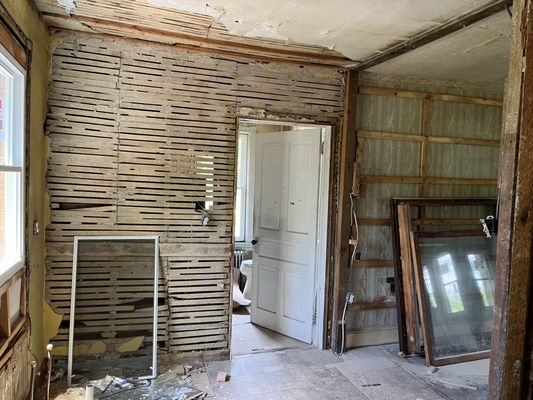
column 331, row 32
column 478, row 53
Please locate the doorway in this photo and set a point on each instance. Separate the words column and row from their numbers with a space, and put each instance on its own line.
column 280, row 229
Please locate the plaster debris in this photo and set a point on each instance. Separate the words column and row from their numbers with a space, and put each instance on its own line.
column 68, row 5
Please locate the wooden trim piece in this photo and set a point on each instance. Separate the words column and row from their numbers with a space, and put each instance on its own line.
column 406, row 262
column 13, row 38
column 373, row 264
column 376, row 305
column 430, row 139
column 434, row 33
column 417, row 180
column 127, row 29
column 13, row 47
column 346, row 172
column 411, row 94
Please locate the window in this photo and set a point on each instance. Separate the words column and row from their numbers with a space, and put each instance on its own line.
column 242, row 188
column 12, row 95
column 483, row 278
column 449, row 281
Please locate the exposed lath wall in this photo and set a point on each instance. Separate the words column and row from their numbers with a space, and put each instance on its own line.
column 386, row 157
column 138, row 135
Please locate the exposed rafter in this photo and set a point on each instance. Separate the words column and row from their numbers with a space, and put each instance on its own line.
column 434, row 34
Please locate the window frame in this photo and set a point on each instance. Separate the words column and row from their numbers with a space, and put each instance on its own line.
column 245, row 189
column 17, row 118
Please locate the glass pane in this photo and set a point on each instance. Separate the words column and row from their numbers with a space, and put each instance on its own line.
column 10, row 219
column 238, row 220
column 113, row 332
column 458, row 280
column 4, row 82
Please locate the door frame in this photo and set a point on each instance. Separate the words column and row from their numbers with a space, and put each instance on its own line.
column 324, row 218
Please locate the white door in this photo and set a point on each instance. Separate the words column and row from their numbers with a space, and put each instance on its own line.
column 285, row 227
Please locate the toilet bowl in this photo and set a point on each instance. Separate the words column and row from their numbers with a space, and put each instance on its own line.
column 246, row 270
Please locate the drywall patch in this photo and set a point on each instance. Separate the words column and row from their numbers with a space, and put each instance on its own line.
column 67, row 5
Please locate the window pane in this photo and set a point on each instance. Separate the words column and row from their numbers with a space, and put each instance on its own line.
column 239, row 220
column 10, row 219
column 4, row 101
column 462, row 322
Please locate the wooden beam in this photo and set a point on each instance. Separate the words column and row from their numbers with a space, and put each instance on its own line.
column 433, row 34
column 422, row 222
column 403, row 137
column 346, row 171
column 417, row 180
column 411, row 94
column 510, row 367
column 135, row 31
column 376, row 305
column 372, row 264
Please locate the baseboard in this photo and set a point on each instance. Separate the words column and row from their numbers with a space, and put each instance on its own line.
column 371, row 337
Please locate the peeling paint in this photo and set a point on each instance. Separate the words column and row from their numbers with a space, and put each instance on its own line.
column 130, row 345
column 67, row 5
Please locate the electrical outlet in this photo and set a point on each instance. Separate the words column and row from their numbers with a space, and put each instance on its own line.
column 350, row 298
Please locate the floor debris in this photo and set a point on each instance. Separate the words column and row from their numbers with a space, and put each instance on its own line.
column 222, row 377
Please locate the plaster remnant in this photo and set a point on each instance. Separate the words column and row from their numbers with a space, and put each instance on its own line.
column 52, row 321
column 67, row 5
column 130, row 345
column 97, row 348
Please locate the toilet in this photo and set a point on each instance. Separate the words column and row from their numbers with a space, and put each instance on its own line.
column 246, row 270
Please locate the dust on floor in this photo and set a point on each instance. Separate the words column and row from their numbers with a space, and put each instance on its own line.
column 372, row 373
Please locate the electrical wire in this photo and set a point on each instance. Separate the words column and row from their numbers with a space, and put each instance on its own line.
column 355, row 242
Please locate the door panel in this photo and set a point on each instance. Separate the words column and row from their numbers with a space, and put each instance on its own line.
column 285, row 223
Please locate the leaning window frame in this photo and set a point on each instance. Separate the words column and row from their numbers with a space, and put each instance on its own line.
column 77, row 239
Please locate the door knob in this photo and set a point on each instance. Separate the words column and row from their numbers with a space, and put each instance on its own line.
column 254, row 241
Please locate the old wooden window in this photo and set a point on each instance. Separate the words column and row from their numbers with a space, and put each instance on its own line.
column 12, row 133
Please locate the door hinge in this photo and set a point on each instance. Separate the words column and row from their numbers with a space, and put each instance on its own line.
column 321, row 147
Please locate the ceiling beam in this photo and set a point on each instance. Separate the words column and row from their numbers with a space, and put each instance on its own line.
column 434, row 34
column 230, row 47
